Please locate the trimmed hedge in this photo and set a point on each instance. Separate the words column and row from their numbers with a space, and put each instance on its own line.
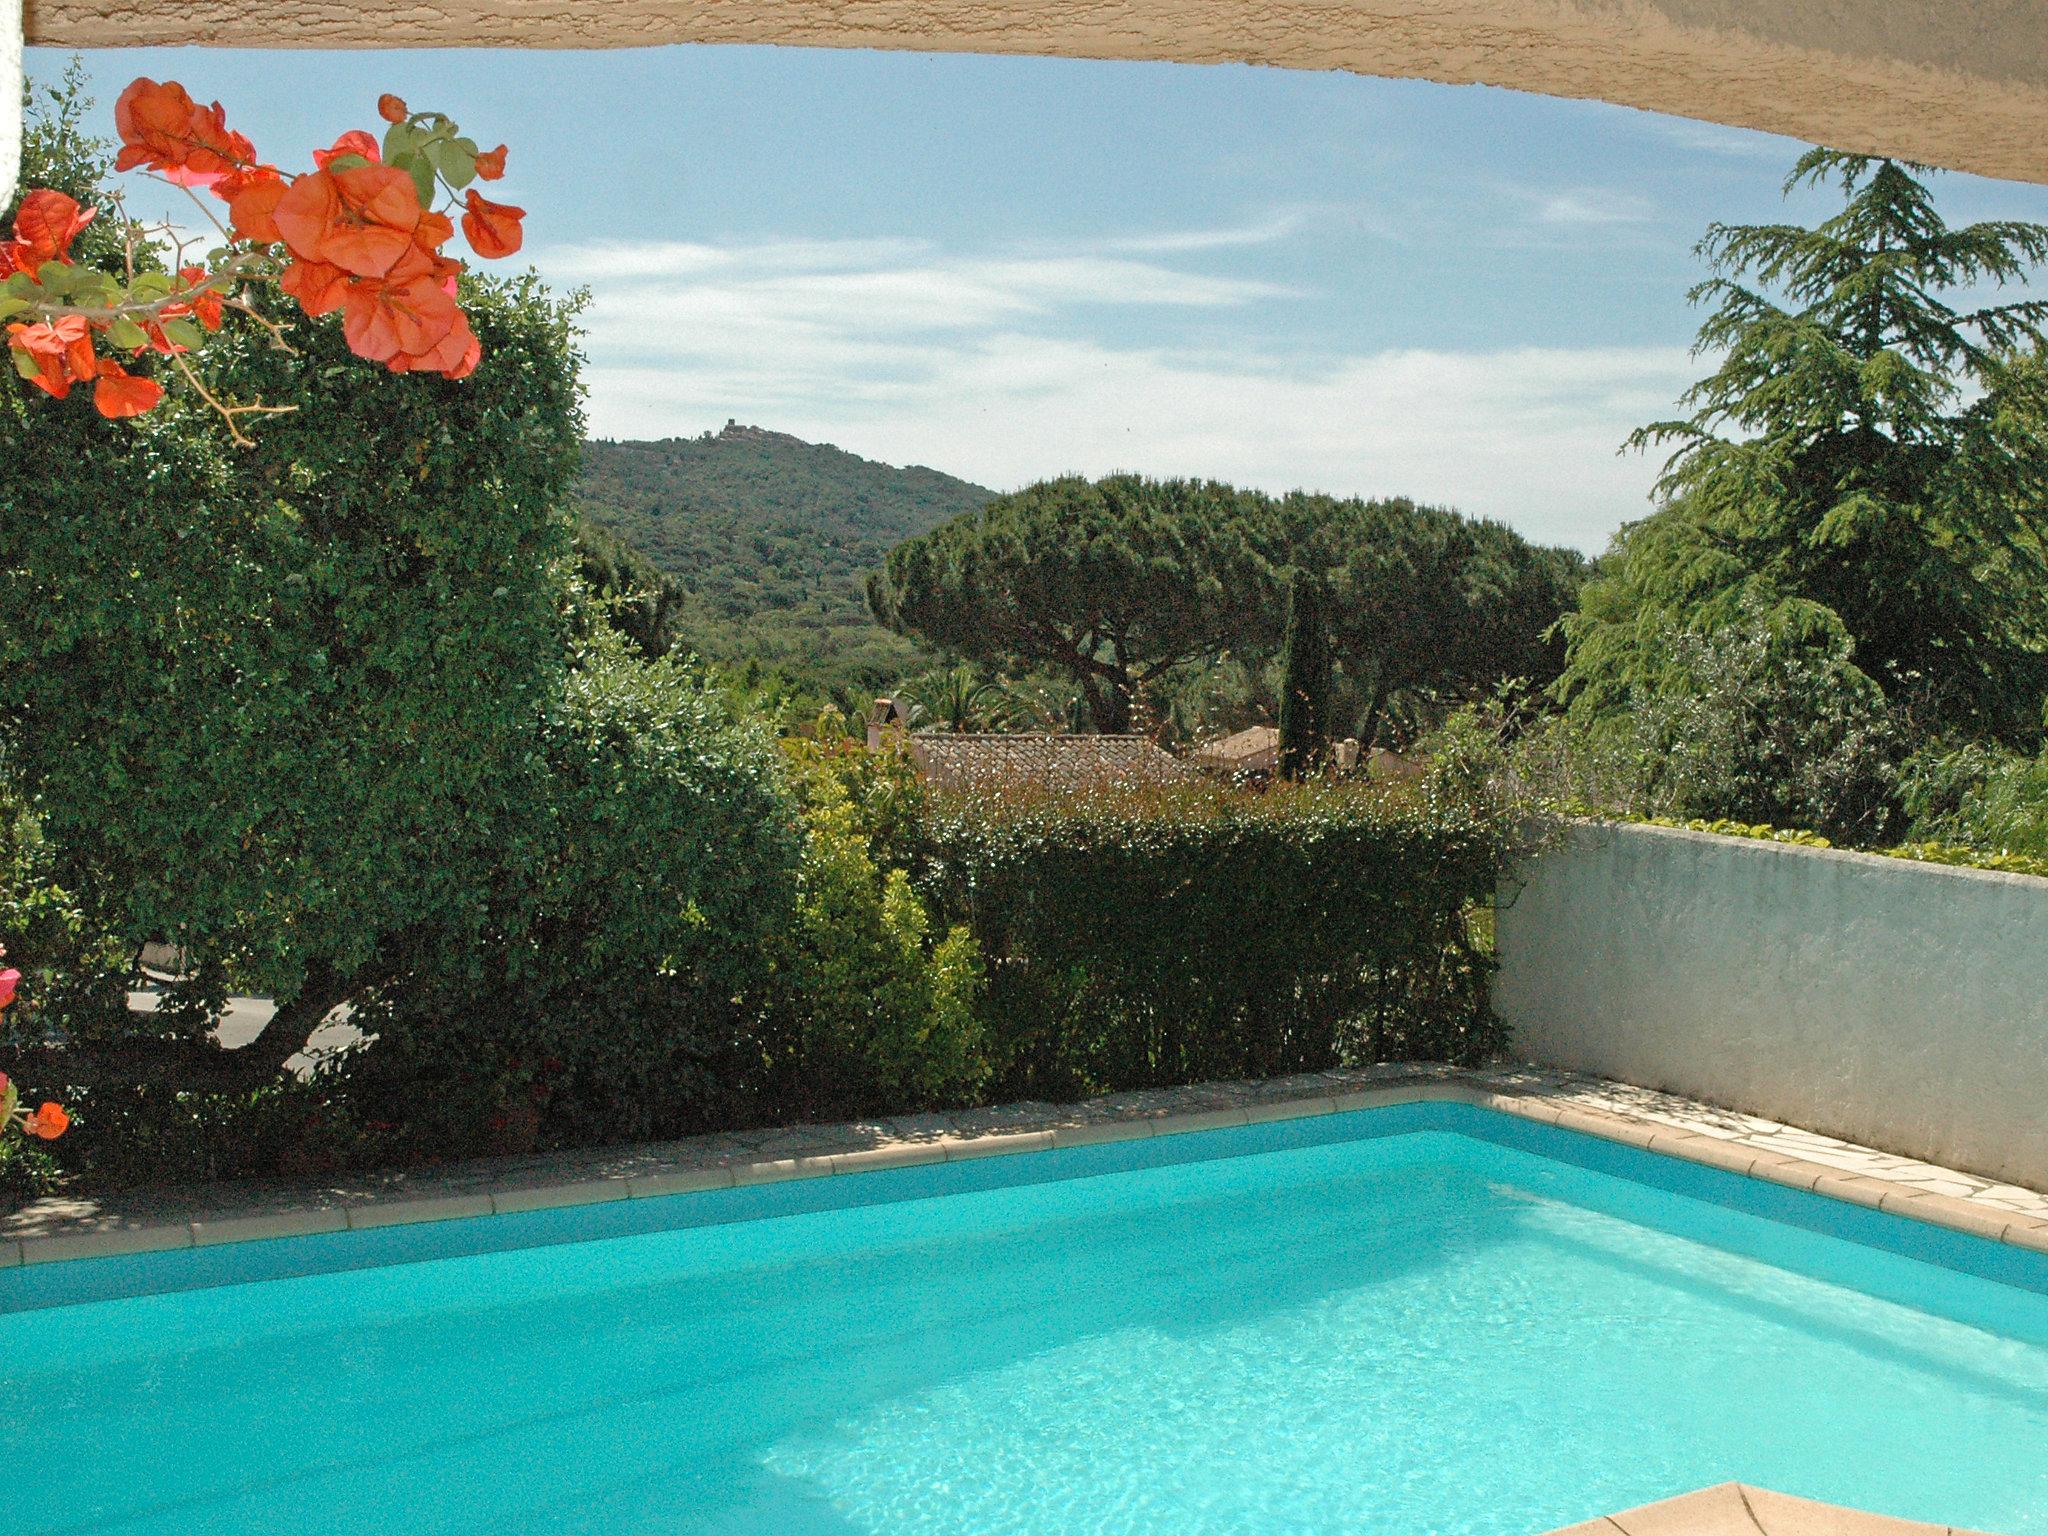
column 1139, row 939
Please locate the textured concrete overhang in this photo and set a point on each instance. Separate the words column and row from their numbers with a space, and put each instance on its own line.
column 1960, row 83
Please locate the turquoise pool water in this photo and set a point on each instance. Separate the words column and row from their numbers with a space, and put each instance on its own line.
column 1421, row 1332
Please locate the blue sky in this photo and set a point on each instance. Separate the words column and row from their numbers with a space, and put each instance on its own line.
column 1008, row 268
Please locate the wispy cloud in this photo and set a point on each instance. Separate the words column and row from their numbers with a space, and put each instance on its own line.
column 1230, row 236
column 646, row 293
column 995, row 367
column 1592, row 207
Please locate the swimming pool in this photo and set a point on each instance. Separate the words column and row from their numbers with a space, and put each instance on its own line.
column 1429, row 1318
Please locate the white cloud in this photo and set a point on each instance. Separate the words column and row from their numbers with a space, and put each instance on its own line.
column 995, row 367
column 873, row 285
column 1595, row 208
column 1263, row 232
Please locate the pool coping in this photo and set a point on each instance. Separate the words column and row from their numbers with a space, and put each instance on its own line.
column 1673, row 1128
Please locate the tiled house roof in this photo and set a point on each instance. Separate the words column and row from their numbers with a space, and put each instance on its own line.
column 965, row 760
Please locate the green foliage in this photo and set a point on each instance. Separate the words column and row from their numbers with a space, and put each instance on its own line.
column 1143, row 593
column 1981, row 798
column 1917, row 852
column 73, row 972
column 634, row 597
column 957, row 699
column 1865, row 465
column 311, row 709
column 617, row 984
column 1110, row 583
column 57, row 152
column 1427, row 609
column 1305, row 682
column 1750, row 726
column 1970, row 858
column 1745, row 725
column 26, row 1170
column 1168, row 936
column 881, row 1015
column 277, row 700
column 144, row 1127
column 768, row 539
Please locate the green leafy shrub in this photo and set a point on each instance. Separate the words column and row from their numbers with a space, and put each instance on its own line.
column 1141, row 938
column 619, row 986
column 1748, row 723
column 1982, row 798
column 73, row 970
column 876, row 1008
column 26, row 1170
column 145, row 1127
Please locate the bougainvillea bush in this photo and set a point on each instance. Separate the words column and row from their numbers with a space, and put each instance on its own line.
column 360, row 235
column 307, row 706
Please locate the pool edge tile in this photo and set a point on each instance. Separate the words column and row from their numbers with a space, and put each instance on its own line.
column 1855, row 1189
column 2024, row 1233
column 1227, row 1117
column 1283, row 1109
column 404, row 1213
column 960, row 1149
column 678, row 1181
column 1098, row 1133
column 1947, row 1211
column 1792, row 1172
column 779, row 1170
column 113, row 1243
column 512, row 1200
column 1704, row 1148
column 207, row 1232
column 1410, row 1093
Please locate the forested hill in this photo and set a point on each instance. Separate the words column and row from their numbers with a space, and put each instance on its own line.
column 770, row 538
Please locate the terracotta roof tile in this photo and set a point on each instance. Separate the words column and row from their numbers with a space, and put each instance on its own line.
column 965, row 760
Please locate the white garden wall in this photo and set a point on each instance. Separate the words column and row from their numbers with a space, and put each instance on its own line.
column 1900, row 1005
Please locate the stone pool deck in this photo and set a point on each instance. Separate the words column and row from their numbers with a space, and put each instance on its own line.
column 1736, row 1509
column 63, row 1227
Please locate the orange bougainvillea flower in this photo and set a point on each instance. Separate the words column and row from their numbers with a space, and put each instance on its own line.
column 492, row 228
column 44, row 226
column 317, row 285
column 49, row 1122
column 204, row 305
column 61, row 351
column 391, row 108
column 118, row 393
column 354, row 142
column 163, row 129
column 454, row 357
column 253, row 208
column 412, row 320
column 361, row 220
column 490, row 165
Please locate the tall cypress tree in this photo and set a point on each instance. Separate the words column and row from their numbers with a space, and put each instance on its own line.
column 1305, row 690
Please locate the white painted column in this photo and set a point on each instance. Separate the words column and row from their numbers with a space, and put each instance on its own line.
column 10, row 96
